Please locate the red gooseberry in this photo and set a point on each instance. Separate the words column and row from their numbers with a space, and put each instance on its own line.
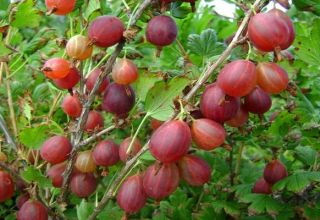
column 237, row 78
column 55, row 173
column 240, row 118
column 92, row 79
column 60, row 7
column 95, row 121
column 207, row 134
column 272, row 78
column 32, row 209
column 84, row 162
column 83, row 184
column 106, row 31
column 160, row 181
column 274, row 172
column 56, row 68
column 170, row 141
column 79, row 48
column 262, row 187
column 131, row 196
column 69, row 81
column 72, row 106
column 56, row 149
column 106, row 153
column 258, row 101
column 124, row 72
column 136, row 147
column 194, row 170
column 6, row 186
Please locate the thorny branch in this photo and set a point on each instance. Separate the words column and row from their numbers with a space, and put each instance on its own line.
column 204, row 77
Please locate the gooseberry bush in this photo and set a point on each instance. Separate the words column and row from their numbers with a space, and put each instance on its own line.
column 159, row 109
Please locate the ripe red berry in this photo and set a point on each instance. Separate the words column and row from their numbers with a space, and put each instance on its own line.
column 118, row 99
column 272, row 78
column 239, row 119
column 106, row 31
column 92, row 78
column 32, row 210
column 160, row 181
column 155, row 124
column 258, row 101
column 271, row 31
column 216, row 105
column 170, row 141
column 23, row 198
column 194, row 170
column 72, row 106
column 238, row 78
column 6, row 186
column 262, row 187
column 161, row 31
column 79, row 48
column 124, row 72
column 83, row 184
column 106, row 153
column 69, row 81
column 95, row 121
column 60, row 7
column 136, row 147
column 84, row 162
column 56, row 149
column 274, row 172
column 131, row 196
column 56, row 68
column 207, row 134
column 55, row 173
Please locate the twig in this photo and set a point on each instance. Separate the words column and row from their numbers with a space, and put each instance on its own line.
column 6, row 132
column 10, row 102
column 110, row 193
column 95, row 136
column 78, row 135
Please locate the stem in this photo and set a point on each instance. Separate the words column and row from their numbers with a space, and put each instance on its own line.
column 95, row 136
column 10, row 102
column 137, row 132
column 238, row 165
column 6, row 132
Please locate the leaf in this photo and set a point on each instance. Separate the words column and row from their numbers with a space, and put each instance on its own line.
column 178, row 10
column 306, row 154
column 27, row 111
column 92, row 7
column 309, row 47
column 144, row 83
column 262, row 203
column 297, row 181
column 159, row 100
column 32, row 174
column 33, row 137
column 26, row 15
column 204, row 44
column 4, row 4
column 84, row 210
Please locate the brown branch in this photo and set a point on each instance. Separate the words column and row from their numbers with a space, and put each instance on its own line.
column 95, row 136
column 78, row 135
column 211, row 67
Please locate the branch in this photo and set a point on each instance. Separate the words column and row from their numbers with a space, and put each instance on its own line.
column 95, row 136
column 78, row 135
column 204, row 77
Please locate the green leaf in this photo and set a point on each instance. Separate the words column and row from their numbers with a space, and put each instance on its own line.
column 312, row 213
column 159, row 100
column 26, row 15
column 297, row 181
column 4, row 4
column 178, row 10
column 32, row 174
column 309, row 47
column 27, row 111
column 204, row 44
column 262, row 203
column 144, row 83
column 84, row 210
column 33, row 137
column 306, row 154
column 92, row 7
